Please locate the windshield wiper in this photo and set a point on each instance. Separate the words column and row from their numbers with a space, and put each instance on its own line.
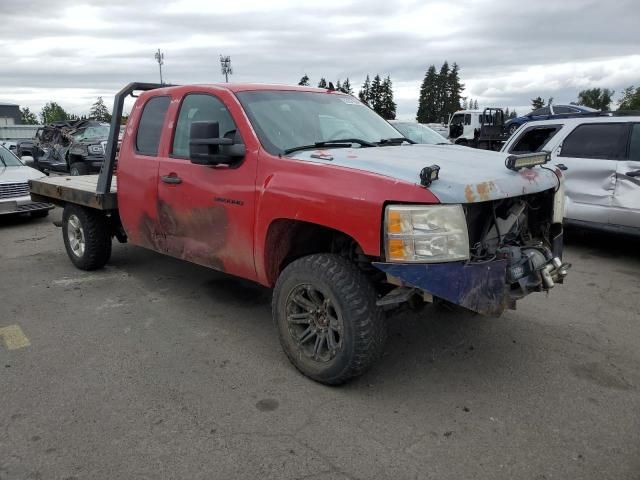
column 340, row 143
column 394, row 141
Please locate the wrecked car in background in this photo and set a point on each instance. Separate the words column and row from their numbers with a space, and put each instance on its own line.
column 74, row 147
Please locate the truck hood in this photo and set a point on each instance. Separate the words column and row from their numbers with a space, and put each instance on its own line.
column 467, row 175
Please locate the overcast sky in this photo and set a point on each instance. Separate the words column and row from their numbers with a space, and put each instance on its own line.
column 508, row 51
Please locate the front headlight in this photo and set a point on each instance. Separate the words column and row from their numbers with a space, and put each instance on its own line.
column 96, row 149
column 426, row 233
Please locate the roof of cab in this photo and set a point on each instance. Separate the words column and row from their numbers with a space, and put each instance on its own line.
column 245, row 87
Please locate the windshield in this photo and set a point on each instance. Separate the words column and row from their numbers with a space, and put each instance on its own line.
column 458, row 119
column 289, row 119
column 420, row 133
column 100, row 131
column 8, row 159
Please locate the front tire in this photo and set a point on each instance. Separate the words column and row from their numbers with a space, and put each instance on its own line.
column 513, row 128
column 329, row 325
column 87, row 237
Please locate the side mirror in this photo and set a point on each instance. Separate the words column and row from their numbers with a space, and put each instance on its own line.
column 207, row 148
column 27, row 160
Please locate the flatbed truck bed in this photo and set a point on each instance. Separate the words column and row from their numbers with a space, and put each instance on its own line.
column 80, row 190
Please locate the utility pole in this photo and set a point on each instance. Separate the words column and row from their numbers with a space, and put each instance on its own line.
column 225, row 67
column 160, row 59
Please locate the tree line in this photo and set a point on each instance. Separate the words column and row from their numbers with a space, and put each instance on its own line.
column 53, row 112
column 599, row 98
column 378, row 94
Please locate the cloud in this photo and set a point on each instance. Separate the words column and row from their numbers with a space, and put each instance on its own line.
column 508, row 52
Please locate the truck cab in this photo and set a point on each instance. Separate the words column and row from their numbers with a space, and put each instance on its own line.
column 310, row 192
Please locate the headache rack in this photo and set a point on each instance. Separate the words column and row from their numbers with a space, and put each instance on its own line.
column 95, row 191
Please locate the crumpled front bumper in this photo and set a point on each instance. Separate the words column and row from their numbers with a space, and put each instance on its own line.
column 480, row 287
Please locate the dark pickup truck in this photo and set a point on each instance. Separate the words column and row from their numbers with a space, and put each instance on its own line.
column 310, row 192
column 76, row 147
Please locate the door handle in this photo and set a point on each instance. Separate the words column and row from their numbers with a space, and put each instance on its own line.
column 171, row 179
column 634, row 173
column 562, row 166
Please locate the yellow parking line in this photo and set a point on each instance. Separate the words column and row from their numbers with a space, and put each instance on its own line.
column 14, row 338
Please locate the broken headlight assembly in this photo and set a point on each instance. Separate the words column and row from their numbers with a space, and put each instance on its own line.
column 425, row 233
column 95, row 149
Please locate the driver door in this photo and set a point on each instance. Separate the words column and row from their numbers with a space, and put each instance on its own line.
column 206, row 212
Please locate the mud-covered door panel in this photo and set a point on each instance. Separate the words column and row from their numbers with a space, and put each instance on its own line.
column 138, row 172
column 591, row 152
column 626, row 200
column 206, row 213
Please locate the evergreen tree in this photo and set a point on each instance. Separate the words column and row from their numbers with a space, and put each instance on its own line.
column 322, row 83
column 507, row 113
column 475, row 104
column 28, row 117
column 537, row 103
column 338, row 86
column 99, row 111
column 52, row 112
column 387, row 105
column 513, row 114
column 454, row 91
column 442, row 92
column 346, row 87
column 365, row 92
column 464, row 103
column 304, row 81
column 376, row 94
column 427, row 102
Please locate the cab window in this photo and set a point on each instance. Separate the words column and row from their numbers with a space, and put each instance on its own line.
column 200, row 107
column 150, row 126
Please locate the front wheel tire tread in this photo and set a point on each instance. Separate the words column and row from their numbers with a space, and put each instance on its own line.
column 357, row 300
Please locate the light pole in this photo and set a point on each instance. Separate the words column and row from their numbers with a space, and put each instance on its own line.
column 160, row 59
column 225, row 67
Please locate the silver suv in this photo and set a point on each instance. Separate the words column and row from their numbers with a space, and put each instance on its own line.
column 602, row 160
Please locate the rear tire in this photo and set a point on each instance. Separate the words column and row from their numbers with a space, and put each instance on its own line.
column 78, row 168
column 329, row 325
column 87, row 237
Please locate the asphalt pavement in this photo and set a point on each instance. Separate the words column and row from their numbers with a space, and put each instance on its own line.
column 157, row 369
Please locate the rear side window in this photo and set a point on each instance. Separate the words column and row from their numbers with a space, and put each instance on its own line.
column 634, row 146
column 150, row 126
column 562, row 110
column 607, row 141
column 534, row 139
column 467, row 119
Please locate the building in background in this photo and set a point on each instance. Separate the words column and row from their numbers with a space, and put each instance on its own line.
column 9, row 114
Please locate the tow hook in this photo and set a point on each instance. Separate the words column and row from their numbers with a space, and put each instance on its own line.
column 553, row 272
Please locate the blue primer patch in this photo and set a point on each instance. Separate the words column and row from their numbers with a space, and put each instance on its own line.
column 480, row 287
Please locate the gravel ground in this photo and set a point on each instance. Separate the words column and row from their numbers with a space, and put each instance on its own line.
column 155, row 368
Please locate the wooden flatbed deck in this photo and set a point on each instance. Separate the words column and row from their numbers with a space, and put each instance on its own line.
column 79, row 190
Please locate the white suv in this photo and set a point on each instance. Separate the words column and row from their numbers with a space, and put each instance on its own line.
column 602, row 160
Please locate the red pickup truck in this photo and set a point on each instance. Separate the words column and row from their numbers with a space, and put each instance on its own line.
column 310, row 192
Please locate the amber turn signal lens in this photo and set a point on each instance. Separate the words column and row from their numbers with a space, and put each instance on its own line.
column 394, row 222
column 396, row 249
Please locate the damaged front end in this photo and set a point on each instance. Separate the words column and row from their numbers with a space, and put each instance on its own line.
column 514, row 249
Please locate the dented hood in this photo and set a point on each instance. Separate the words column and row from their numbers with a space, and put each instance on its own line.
column 467, row 175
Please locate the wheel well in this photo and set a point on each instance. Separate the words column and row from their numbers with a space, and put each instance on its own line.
column 288, row 240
